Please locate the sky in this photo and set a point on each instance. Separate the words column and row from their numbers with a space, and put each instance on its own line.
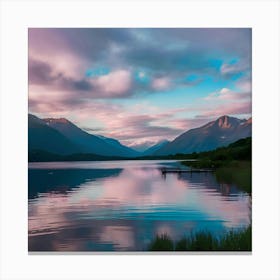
column 139, row 85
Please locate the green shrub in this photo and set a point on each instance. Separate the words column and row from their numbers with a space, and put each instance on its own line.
column 205, row 241
column 162, row 243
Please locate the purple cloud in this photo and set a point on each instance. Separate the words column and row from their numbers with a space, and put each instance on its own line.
column 164, row 58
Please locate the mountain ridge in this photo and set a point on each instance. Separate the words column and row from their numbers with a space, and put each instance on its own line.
column 151, row 150
column 214, row 134
column 61, row 136
column 90, row 143
column 41, row 136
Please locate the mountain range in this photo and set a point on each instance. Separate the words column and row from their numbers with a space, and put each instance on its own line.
column 62, row 137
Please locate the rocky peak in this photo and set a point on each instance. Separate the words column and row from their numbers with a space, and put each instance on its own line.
column 57, row 121
column 224, row 122
column 249, row 121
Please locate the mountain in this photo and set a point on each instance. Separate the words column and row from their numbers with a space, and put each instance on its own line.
column 44, row 156
column 220, row 132
column 154, row 148
column 43, row 137
column 117, row 144
column 89, row 143
column 62, row 137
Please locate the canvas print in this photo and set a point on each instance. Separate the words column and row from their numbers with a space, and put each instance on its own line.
column 139, row 139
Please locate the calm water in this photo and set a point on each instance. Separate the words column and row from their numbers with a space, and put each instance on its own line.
column 123, row 205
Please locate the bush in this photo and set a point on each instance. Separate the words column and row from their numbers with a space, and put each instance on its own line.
column 162, row 243
column 205, row 241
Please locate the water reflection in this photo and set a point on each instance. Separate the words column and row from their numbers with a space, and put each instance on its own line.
column 63, row 180
column 102, row 208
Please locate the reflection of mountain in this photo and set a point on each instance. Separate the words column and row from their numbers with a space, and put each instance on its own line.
column 63, row 180
column 208, row 181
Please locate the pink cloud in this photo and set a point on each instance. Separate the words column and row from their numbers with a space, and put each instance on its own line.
column 244, row 85
column 227, row 94
column 227, row 109
column 142, row 144
column 161, row 83
column 186, row 124
column 121, row 236
column 46, row 76
column 116, row 83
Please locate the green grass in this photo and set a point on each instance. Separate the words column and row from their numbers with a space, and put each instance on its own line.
column 205, row 241
column 162, row 243
column 238, row 173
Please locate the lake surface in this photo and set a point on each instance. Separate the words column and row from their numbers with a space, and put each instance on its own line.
column 123, row 205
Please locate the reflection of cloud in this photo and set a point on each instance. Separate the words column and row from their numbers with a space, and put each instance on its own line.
column 46, row 214
column 233, row 212
column 121, row 236
column 110, row 206
column 215, row 201
column 144, row 188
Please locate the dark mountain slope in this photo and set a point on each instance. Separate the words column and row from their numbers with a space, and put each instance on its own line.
column 43, row 137
column 89, row 143
column 220, row 132
column 155, row 148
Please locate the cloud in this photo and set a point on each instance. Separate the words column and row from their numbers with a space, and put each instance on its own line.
column 161, row 84
column 128, row 126
column 187, row 123
column 44, row 74
column 134, row 64
column 142, row 144
column 231, row 69
column 225, row 94
column 244, row 84
column 89, row 44
column 224, row 90
column 172, row 53
column 40, row 72
column 117, row 83
column 237, row 108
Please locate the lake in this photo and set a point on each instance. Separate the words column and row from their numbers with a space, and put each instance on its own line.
column 123, row 205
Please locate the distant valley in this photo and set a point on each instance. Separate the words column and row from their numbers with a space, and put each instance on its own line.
column 60, row 139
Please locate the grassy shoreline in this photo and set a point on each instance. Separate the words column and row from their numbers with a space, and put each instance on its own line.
column 205, row 241
column 232, row 164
